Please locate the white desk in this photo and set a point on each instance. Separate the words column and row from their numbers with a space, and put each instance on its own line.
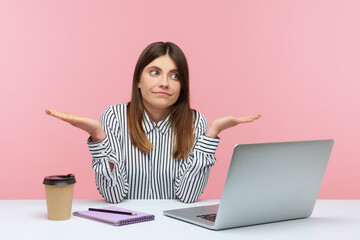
column 27, row 219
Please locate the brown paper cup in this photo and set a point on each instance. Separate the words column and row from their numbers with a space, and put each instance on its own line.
column 59, row 194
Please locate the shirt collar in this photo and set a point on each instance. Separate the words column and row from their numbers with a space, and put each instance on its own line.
column 149, row 125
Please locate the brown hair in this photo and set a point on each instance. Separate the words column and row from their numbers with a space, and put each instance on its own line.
column 181, row 116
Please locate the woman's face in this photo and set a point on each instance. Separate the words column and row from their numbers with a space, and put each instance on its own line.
column 159, row 84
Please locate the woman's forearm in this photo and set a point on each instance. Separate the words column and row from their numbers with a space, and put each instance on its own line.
column 98, row 135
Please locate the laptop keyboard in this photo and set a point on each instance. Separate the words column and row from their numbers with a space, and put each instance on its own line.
column 210, row 217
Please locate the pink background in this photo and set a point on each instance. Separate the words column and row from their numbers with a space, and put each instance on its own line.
column 295, row 62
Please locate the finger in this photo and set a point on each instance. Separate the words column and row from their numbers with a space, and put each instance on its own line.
column 249, row 118
column 48, row 111
column 59, row 115
column 256, row 116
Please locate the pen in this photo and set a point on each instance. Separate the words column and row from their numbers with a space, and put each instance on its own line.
column 111, row 211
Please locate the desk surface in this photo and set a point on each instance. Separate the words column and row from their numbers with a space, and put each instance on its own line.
column 27, row 219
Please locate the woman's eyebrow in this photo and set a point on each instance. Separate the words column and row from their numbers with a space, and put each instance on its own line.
column 172, row 70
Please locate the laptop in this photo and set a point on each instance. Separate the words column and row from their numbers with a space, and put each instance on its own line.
column 265, row 183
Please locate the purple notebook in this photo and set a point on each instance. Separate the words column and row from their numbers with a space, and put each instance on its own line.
column 114, row 218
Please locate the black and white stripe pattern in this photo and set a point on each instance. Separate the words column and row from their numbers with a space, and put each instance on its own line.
column 155, row 175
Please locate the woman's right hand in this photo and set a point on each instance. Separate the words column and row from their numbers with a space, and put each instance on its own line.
column 89, row 125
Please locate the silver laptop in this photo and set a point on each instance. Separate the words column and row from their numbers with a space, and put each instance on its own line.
column 266, row 182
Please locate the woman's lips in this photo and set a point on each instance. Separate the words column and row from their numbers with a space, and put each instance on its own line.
column 162, row 93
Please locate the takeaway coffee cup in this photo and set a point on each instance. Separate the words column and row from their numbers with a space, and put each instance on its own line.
column 59, row 193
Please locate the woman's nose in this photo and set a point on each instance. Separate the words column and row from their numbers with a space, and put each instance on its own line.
column 164, row 81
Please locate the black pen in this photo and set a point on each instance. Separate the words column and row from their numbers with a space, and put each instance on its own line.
column 111, row 211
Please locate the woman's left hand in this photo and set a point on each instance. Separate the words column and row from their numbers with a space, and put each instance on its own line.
column 220, row 124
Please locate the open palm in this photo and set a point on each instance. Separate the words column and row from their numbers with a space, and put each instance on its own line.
column 89, row 125
column 220, row 124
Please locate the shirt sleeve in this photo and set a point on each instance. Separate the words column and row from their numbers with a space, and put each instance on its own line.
column 194, row 171
column 112, row 185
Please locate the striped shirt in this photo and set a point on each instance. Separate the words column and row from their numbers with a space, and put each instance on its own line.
column 153, row 175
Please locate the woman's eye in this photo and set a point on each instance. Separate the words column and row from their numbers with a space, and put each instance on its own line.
column 154, row 72
column 175, row 76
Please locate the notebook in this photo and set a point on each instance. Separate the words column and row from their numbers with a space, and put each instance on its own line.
column 114, row 218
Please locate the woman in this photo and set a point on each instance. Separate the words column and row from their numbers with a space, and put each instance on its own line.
column 155, row 146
